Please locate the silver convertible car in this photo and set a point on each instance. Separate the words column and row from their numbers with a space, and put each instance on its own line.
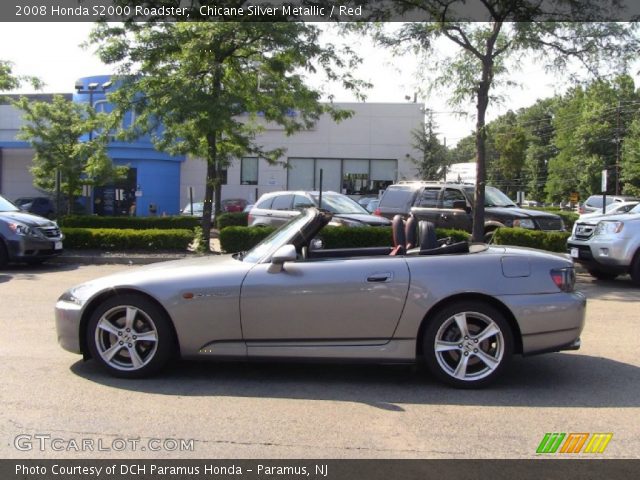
column 462, row 310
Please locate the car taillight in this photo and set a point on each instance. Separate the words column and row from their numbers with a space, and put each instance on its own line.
column 564, row 278
column 249, row 219
column 377, row 212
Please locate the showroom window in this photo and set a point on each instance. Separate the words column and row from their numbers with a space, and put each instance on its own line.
column 349, row 176
column 249, row 171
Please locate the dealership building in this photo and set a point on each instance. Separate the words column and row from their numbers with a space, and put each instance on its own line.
column 357, row 156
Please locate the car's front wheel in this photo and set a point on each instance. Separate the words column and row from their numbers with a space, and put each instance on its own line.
column 468, row 344
column 130, row 336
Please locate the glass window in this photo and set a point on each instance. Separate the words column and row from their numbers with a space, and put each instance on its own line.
column 429, row 198
column 452, row 195
column 249, row 171
column 340, row 204
column 330, row 174
column 282, row 202
column 300, row 174
column 266, row 203
column 384, row 170
column 300, row 202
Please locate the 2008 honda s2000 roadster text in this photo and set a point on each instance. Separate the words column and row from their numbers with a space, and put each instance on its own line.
column 463, row 310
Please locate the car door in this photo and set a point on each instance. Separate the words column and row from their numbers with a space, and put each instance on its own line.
column 282, row 210
column 325, row 301
column 451, row 215
column 425, row 206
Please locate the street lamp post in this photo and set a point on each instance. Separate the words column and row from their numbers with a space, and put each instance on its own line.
column 91, row 88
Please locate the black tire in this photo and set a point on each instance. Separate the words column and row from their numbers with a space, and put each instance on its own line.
column 112, row 339
column 635, row 269
column 602, row 275
column 486, row 358
column 4, row 255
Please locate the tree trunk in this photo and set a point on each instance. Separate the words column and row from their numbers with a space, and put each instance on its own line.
column 209, row 189
column 477, row 234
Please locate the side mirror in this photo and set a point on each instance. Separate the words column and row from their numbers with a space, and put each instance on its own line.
column 459, row 205
column 316, row 244
column 286, row 253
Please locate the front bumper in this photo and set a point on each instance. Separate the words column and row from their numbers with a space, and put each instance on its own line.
column 25, row 248
column 548, row 322
column 68, row 317
column 603, row 251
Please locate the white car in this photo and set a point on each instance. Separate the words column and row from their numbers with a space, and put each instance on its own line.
column 612, row 209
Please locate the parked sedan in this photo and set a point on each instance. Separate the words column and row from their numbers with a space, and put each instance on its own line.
column 611, row 209
column 463, row 312
column 25, row 237
column 276, row 208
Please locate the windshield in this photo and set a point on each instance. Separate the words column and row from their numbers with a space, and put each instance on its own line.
column 278, row 238
column 339, row 204
column 492, row 197
column 635, row 209
column 7, row 206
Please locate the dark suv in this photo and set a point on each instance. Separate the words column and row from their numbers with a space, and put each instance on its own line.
column 25, row 237
column 449, row 205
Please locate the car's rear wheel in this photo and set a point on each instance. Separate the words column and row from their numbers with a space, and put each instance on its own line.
column 130, row 336
column 468, row 344
column 602, row 275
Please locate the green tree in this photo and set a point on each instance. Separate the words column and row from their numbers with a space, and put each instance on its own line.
column 464, row 151
column 55, row 130
column 435, row 156
column 508, row 144
column 590, row 125
column 630, row 163
column 214, row 86
column 9, row 81
column 537, row 120
column 481, row 52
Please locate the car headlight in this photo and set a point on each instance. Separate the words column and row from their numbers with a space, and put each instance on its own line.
column 607, row 227
column 524, row 223
column 24, row 230
column 77, row 295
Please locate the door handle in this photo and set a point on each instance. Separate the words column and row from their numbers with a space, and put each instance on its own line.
column 379, row 277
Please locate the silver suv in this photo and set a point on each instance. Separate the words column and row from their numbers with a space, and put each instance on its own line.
column 276, row 208
column 608, row 245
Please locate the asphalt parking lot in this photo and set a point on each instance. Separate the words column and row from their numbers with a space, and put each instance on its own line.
column 236, row 410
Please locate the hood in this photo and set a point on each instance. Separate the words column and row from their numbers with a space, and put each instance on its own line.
column 372, row 220
column 610, row 218
column 517, row 212
column 28, row 219
column 166, row 276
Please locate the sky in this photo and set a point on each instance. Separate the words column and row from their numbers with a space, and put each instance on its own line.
column 52, row 52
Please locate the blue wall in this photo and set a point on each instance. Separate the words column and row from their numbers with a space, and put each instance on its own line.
column 158, row 172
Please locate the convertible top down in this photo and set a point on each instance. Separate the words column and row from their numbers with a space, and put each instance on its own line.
column 463, row 310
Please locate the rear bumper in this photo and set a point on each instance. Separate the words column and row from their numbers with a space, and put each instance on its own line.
column 549, row 322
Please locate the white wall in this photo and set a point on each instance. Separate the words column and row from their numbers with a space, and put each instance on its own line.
column 375, row 131
column 17, row 180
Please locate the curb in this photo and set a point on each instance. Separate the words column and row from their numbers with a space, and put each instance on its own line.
column 115, row 259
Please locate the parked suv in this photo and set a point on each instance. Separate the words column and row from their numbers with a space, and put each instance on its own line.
column 449, row 205
column 25, row 237
column 276, row 208
column 608, row 245
column 594, row 202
